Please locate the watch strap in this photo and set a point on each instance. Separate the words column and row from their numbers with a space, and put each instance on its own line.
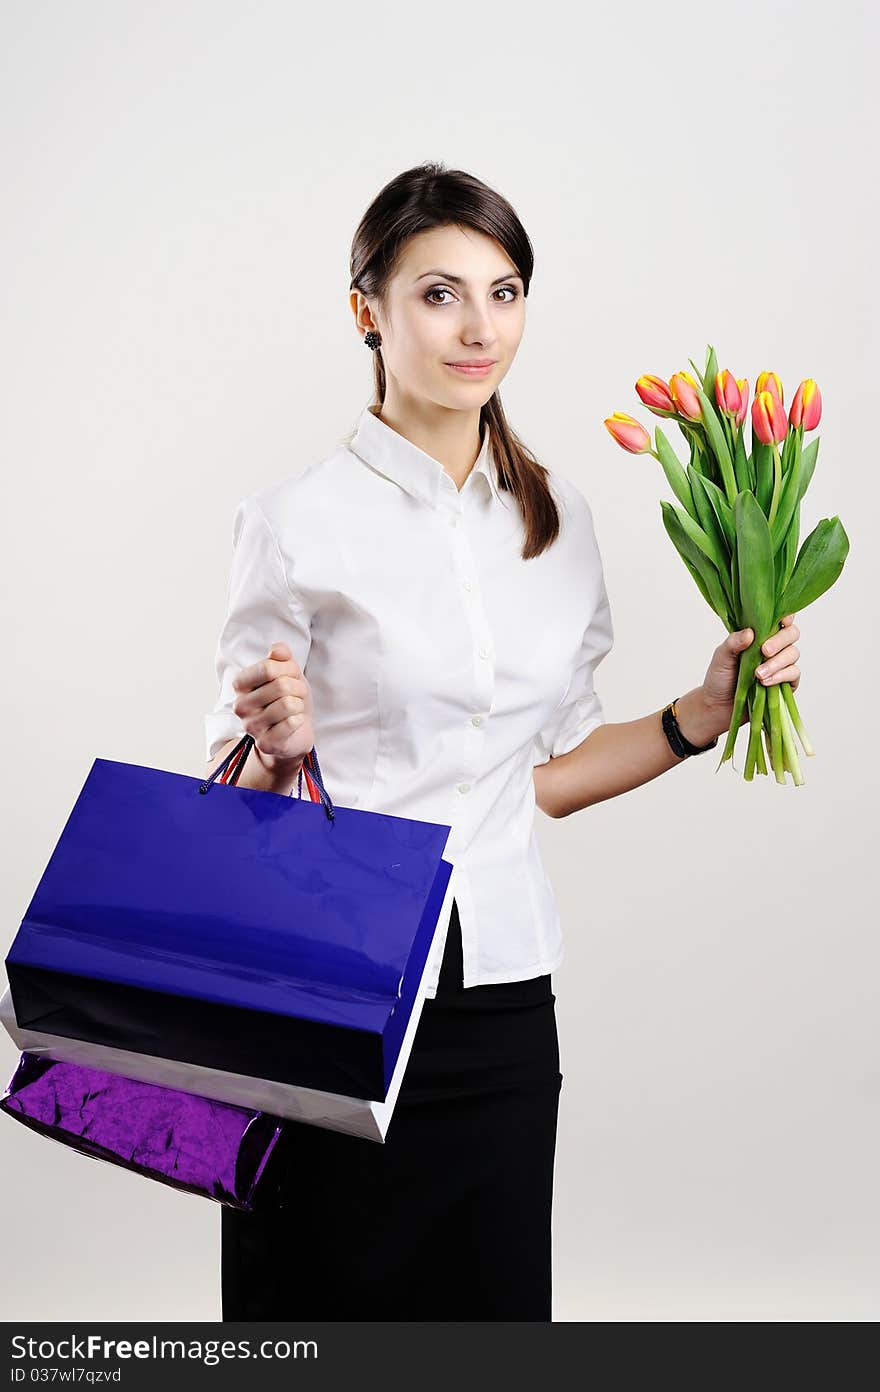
column 681, row 746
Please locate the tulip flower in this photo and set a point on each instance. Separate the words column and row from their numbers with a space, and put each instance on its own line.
column 738, row 525
column 806, row 408
column 629, row 433
column 684, row 394
column 727, row 393
column 655, row 393
column 743, row 385
column 768, row 381
column 768, row 418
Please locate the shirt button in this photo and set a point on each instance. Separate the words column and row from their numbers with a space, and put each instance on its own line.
column 466, row 584
column 476, row 720
column 464, row 787
column 483, row 652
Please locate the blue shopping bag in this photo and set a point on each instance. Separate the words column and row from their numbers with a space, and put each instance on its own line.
column 232, row 928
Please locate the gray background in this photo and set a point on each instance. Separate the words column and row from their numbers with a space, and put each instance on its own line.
column 182, row 183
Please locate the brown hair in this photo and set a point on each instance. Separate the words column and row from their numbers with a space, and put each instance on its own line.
column 427, row 196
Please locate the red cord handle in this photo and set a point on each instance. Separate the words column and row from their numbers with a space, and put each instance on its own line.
column 231, row 773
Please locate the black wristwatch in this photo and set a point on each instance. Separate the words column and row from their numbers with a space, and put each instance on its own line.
column 679, row 745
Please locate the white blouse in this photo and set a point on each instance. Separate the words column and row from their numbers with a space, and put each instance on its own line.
column 443, row 667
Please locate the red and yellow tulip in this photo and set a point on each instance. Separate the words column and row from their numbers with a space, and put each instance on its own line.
column 684, row 393
column 727, row 393
column 806, row 409
column 768, row 381
column 769, row 424
column 742, row 383
column 629, row 433
column 655, row 393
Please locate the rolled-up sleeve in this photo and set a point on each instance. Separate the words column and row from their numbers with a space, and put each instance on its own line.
column 261, row 609
column 580, row 711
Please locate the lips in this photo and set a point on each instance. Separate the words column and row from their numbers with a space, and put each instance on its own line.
column 473, row 362
column 471, row 369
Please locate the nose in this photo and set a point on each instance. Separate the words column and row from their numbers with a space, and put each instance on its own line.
column 478, row 327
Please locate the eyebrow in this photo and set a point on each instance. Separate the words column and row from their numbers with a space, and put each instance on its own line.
column 459, row 280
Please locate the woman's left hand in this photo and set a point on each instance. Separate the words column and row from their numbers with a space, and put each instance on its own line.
column 778, row 664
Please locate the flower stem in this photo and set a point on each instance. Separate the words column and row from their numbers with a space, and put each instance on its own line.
column 775, row 733
column 791, row 703
column 777, row 485
column 789, row 746
column 773, row 718
column 759, row 743
column 753, row 757
column 749, row 770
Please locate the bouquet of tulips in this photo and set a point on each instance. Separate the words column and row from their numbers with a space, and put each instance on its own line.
column 738, row 526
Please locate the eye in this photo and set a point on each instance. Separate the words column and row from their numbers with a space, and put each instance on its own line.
column 444, row 290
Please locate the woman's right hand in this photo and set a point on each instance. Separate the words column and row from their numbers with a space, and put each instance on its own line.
column 275, row 705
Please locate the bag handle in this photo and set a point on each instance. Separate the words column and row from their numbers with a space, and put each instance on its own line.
column 229, row 769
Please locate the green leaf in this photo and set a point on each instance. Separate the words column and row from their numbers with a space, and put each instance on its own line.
column 700, row 462
column 700, row 377
column 762, row 457
column 711, row 526
column 818, row 565
column 723, row 511
column 756, row 590
column 788, row 554
column 778, row 569
column 698, row 581
column 705, row 543
column 788, row 501
column 808, row 464
column 741, row 464
column 711, row 372
column 675, row 474
column 718, row 442
column 690, row 434
column 753, row 472
column 674, row 520
column 756, row 571
column 734, row 582
column 790, row 446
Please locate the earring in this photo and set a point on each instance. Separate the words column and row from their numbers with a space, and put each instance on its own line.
column 371, row 339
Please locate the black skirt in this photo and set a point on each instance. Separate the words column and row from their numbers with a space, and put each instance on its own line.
column 449, row 1219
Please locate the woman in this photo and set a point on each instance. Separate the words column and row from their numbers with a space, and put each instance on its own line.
column 432, row 598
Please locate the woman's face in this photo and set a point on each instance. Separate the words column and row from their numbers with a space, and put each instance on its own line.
column 455, row 297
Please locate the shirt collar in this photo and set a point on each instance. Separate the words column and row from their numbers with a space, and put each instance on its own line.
column 400, row 460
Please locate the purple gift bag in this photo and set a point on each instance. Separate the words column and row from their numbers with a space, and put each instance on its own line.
column 191, row 1143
